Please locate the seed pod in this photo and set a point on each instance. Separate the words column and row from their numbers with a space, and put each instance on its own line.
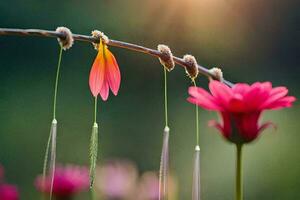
column 192, row 67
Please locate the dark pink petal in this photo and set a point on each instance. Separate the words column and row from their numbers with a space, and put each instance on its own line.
column 202, row 98
column 237, row 104
column 277, row 90
column 267, row 125
column 266, row 86
column 203, row 103
column 214, row 123
column 247, row 124
column 275, row 95
column 281, row 103
column 257, row 95
column 241, row 88
column 196, row 92
column 227, row 124
column 221, row 92
column 225, row 127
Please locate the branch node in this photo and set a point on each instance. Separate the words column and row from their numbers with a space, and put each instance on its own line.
column 191, row 67
column 167, row 57
column 101, row 36
column 67, row 41
column 217, row 72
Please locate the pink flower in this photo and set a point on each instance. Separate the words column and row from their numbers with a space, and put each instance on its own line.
column 241, row 106
column 105, row 73
column 148, row 188
column 117, row 179
column 68, row 181
column 1, row 173
column 8, row 192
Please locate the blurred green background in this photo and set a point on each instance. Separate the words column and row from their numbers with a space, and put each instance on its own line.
column 251, row 40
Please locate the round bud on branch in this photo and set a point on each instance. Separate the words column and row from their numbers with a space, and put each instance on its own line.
column 67, row 41
column 217, row 72
column 167, row 57
column 101, row 36
column 192, row 67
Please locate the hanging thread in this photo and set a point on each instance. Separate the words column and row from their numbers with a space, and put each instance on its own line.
column 65, row 43
column 168, row 63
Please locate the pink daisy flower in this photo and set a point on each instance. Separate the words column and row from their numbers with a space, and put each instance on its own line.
column 240, row 107
column 68, row 181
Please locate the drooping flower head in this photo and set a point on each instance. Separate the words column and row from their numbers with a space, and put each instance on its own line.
column 105, row 73
column 240, row 106
column 68, row 181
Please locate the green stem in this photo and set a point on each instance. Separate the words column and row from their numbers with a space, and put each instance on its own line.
column 166, row 95
column 95, row 110
column 239, row 174
column 197, row 120
column 93, row 193
column 56, row 82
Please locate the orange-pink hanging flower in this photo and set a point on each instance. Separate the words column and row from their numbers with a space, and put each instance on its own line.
column 241, row 106
column 105, row 73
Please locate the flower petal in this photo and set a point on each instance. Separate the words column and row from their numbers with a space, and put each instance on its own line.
column 104, row 92
column 241, row 88
column 257, row 95
column 267, row 125
column 97, row 74
column 237, row 104
column 214, row 123
column 113, row 74
column 221, row 92
column 202, row 98
column 276, row 94
column 281, row 103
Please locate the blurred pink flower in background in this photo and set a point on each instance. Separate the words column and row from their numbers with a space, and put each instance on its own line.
column 117, row 179
column 149, row 185
column 1, row 173
column 68, row 181
column 7, row 191
column 148, row 188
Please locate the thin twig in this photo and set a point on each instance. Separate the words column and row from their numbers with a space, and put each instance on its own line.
column 115, row 43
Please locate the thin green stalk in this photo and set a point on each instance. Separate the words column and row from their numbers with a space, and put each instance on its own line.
column 56, row 82
column 166, row 96
column 93, row 193
column 239, row 173
column 45, row 163
column 95, row 110
column 197, row 120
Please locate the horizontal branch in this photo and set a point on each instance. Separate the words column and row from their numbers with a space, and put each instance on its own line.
column 115, row 43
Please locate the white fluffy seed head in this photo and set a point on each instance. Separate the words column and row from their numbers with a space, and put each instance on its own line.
column 192, row 67
column 68, row 41
column 101, row 36
column 217, row 72
column 167, row 59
